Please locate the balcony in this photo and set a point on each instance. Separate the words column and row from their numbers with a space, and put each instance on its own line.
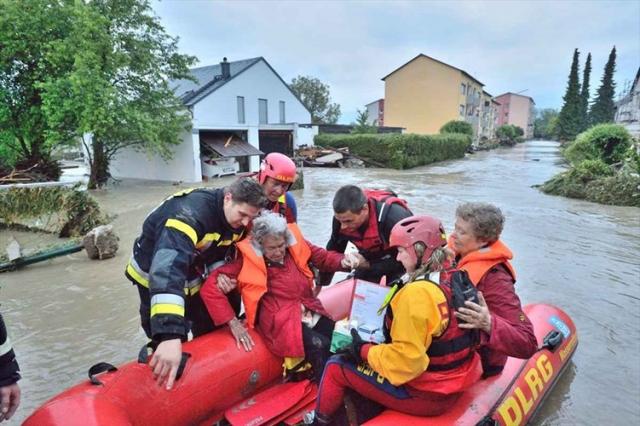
column 473, row 100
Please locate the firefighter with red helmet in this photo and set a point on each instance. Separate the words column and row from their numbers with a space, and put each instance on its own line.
column 427, row 361
column 277, row 174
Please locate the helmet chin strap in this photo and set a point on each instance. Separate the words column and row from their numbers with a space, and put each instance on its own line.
column 419, row 249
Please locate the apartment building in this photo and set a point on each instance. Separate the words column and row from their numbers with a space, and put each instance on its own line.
column 425, row 93
column 517, row 110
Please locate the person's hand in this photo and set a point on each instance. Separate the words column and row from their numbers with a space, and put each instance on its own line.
column 9, row 401
column 165, row 361
column 316, row 290
column 475, row 315
column 354, row 347
column 241, row 334
column 226, row 284
column 352, row 260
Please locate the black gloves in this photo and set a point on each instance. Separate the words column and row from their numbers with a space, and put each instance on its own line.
column 356, row 344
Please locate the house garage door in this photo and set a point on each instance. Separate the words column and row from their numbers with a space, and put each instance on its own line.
column 276, row 141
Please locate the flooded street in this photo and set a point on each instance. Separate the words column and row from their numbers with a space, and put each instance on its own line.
column 67, row 314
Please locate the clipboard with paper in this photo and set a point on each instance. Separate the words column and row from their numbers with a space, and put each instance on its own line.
column 366, row 313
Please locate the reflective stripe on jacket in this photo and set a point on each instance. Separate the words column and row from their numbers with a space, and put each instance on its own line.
column 287, row 210
column 179, row 238
column 252, row 278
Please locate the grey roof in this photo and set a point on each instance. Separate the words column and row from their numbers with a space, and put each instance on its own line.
column 209, row 79
column 206, row 82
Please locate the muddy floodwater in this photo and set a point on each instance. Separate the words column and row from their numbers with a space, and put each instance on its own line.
column 68, row 313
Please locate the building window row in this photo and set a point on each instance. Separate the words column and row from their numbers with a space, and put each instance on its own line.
column 263, row 111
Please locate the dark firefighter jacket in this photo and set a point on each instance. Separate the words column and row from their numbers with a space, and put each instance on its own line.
column 9, row 369
column 183, row 235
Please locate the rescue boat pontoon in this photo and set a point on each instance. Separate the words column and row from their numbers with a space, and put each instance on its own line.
column 219, row 378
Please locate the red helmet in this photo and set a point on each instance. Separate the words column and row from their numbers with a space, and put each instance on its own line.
column 277, row 166
column 423, row 229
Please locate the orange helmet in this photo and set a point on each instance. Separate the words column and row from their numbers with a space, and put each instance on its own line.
column 424, row 233
column 277, row 166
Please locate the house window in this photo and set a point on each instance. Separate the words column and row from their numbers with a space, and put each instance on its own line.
column 462, row 110
column 262, row 111
column 240, row 103
column 463, row 88
column 282, row 116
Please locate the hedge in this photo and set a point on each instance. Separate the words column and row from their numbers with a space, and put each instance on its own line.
column 399, row 151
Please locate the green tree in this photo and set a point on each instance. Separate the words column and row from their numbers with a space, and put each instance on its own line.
column 507, row 134
column 569, row 119
column 316, row 97
column 584, row 95
column 362, row 123
column 543, row 125
column 457, row 126
column 29, row 33
column 603, row 108
column 118, row 88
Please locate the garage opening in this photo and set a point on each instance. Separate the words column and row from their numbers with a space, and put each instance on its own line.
column 276, row 141
column 225, row 153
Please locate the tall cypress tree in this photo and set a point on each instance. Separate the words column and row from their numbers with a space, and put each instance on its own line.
column 603, row 108
column 569, row 119
column 584, row 95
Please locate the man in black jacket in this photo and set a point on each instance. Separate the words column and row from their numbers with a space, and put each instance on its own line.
column 183, row 237
column 366, row 218
column 9, row 376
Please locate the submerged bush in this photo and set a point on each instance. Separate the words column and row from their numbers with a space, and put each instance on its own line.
column 509, row 135
column 74, row 212
column 608, row 142
column 589, row 170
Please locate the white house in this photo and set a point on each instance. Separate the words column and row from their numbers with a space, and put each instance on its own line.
column 628, row 108
column 239, row 110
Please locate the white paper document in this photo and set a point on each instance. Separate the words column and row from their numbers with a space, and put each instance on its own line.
column 367, row 300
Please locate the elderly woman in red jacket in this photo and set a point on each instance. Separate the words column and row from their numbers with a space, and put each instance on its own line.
column 276, row 283
column 505, row 329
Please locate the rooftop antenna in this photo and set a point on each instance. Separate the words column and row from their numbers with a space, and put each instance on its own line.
column 522, row 91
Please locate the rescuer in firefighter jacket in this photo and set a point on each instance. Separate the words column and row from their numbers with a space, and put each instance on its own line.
column 9, row 376
column 505, row 328
column 277, row 174
column 427, row 361
column 366, row 218
column 183, row 235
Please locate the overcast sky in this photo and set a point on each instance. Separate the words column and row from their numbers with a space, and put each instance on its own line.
column 510, row 46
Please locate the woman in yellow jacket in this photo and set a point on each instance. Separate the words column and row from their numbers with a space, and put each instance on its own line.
column 422, row 368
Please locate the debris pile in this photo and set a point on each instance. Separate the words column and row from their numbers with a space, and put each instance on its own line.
column 323, row 157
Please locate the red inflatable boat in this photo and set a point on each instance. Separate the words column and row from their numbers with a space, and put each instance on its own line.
column 222, row 383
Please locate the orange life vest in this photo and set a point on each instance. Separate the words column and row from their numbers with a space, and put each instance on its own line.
column 481, row 261
column 252, row 279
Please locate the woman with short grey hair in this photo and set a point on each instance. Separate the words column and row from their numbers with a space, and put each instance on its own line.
column 276, row 283
column 504, row 328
